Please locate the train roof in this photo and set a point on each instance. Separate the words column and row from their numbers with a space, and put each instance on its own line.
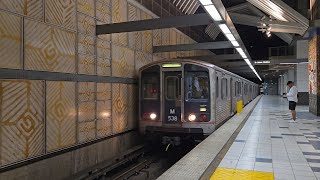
column 192, row 61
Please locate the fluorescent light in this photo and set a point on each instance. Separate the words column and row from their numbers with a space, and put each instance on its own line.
column 224, row 28
column 205, row 2
column 213, row 12
column 288, row 63
column 247, row 61
column 235, row 43
column 171, row 65
column 251, row 67
column 240, row 51
column 304, row 63
column 243, row 56
column 230, row 37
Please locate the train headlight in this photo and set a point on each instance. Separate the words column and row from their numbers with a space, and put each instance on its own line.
column 192, row 117
column 153, row 116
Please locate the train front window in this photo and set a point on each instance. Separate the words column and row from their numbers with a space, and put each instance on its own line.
column 197, row 85
column 151, row 88
column 173, row 88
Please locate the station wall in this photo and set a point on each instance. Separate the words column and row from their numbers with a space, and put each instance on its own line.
column 41, row 114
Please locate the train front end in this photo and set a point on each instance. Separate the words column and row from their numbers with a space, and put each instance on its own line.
column 175, row 100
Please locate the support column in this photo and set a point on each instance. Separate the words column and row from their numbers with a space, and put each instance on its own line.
column 314, row 60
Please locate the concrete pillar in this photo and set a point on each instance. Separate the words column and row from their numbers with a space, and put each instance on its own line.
column 285, row 80
column 302, row 83
column 314, row 60
column 291, row 75
column 279, row 86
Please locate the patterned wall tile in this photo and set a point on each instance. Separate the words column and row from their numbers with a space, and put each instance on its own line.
column 10, row 41
column 147, row 41
column 119, row 107
column 61, row 12
column 122, row 61
column 132, row 106
column 106, row 37
column 61, row 115
column 103, row 91
column 103, row 12
column 87, row 131
column 165, row 36
column 86, row 25
column 86, row 7
column 103, row 67
column 104, row 119
column 87, row 64
column 48, row 48
column 86, row 91
column 133, row 15
column 86, row 44
column 22, row 115
column 156, row 37
column 103, row 48
column 142, row 59
column 87, row 111
column 119, row 14
column 32, row 8
column 106, row 2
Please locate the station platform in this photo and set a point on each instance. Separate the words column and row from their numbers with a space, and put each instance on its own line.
column 267, row 146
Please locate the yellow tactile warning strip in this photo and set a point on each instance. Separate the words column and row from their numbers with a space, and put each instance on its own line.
column 237, row 174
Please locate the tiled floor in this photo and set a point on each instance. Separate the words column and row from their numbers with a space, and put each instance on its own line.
column 268, row 143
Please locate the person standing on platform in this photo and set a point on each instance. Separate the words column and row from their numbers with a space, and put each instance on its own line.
column 293, row 99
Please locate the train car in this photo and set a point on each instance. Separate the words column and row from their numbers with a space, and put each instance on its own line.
column 183, row 98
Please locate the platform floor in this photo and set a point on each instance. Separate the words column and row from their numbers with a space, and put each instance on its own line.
column 269, row 147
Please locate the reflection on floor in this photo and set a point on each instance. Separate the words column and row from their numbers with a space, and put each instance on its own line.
column 269, row 143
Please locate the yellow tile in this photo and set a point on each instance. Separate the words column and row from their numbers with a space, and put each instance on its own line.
column 87, row 131
column 86, row 7
column 122, row 61
column 103, row 49
column 119, row 107
column 103, row 12
column 62, row 13
column 87, row 64
column 103, row 67
column 86, row 91
column 32, row 8
column 103, row 91
column 236, row 174
column 142, row 59
column 86, row 44
column 86, row 25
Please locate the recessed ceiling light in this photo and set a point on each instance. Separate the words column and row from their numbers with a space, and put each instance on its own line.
column 230, row 37
column 224, row 28
column 235, row 43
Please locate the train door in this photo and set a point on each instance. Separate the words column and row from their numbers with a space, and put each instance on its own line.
column 172, row 97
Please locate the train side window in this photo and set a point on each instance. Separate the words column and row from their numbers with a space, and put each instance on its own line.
column 224, row 88
column 217, row 87
column 236, row 89
column 151, row 87
column 172, row 88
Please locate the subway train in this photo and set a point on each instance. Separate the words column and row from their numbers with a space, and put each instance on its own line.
column 188, row 98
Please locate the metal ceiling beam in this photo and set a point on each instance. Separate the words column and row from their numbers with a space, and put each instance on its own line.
column 158, row 23
column 214, row 58
column 237, row 63
column 194, row 46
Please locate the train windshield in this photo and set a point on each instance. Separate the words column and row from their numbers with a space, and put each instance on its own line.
column 197, row 85
column 151, row 87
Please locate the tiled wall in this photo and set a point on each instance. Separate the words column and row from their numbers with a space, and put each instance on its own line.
column 42, row 116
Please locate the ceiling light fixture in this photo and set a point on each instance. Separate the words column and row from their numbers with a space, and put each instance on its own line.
column 235, row 43
column 205, row 2
column 213, row 12
column 230, row 37
column 224, row 28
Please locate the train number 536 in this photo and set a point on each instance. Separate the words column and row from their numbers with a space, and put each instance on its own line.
column 172, row 118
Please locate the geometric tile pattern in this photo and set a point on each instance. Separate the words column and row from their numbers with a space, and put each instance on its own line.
column 61, row 13
column 10, row 41
column 157, row 37
column 142, row 59
column 61, row 114
column 87, row 64
column 32, row 8
column 119, row 107
column 86, row 25
column 48, row 48
column 103, row 49
column 85, row 44
column 22, row 115
column 119, row 14
column 103, row 12
column 86, row 91
column 104, row 118
column 87, row 131
column 103, row 67
column 122, row 61
column 147, row 41
column 86, row 7
column 86, row 98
